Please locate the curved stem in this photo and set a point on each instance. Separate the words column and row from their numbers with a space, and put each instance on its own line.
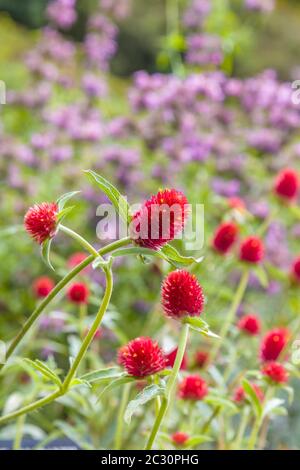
column 231, row 313
column 241, row 429
column 55, row 291
column 83, row 242
column 207, row 424
column 170, row 386
column 120, row 419
column 88, row 339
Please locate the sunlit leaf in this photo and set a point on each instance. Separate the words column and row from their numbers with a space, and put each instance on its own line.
column 146, row 395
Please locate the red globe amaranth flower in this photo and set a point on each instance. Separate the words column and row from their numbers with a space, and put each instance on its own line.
column 201, row 358
column 142, row 357
column 252, row 250
column 287, row 184
column 182, row 295
column 160, row 218
column 250, row 324
column 193, row 387
column 275, row 371
column 78, row 293
column 273, row 343
column 295, row 271
column 170, row 359
column 179, row 438
column 42, row 286
column 40, row 221
column 224, row 237
column 239, row 395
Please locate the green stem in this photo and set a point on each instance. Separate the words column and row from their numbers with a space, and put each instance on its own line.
column 170, row 386
column 89, row 337
column 231, row 313
column 258, row 422
column 206, row 425
column 120, row 419
column 242, row 428
column 83, row 242
column 85, row 344
column 59, row 286
column 19, row 432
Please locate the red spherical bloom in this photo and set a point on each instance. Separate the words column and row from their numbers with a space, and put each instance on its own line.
column 273, row 343
column 201, row 358
column 224, row 237
column 40, row 221
column 170, row 359
column 182, row 295
column 239, row 395
column 142, row 357
column 275, row 371
column 160, row 219
column 78, row 293
column 252, row 250
column 193, row 387
column 287, row 184
column 179, row 438
column 250, row 324
column 295, row 271
column 42, row 286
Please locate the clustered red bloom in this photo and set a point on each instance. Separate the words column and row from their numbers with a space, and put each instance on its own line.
column 287, row 184
column 252, row 250
column 42, row 286
column 78, row 293
column 250, row 324
column 201, row 358
column 193, row 387
column 40, row 221
column 170, row 359
column 239, row 395
column 295, row 271
column 182, row 295
column 275, row 371
column 160, row 218
column 225, row 236
column 142, row 357
column 179, row 438
column 273, row 343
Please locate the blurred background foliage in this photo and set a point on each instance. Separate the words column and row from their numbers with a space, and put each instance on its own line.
column 274, row 40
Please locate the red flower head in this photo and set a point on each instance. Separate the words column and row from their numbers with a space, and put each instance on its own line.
column 252, row 250
column 250, row 324
column 295, row 271
column 273, row 343
column 170, row 359
column 239, row 395
column 179, row 438
column 193, row 387
column 287, row 184
column 224, row 237
column 78, row 293
column 142, row 357
column 160, row 219
column 42, row 286
column 201, row 358
column 40, row 221
column 275, row 371
column 182, row 295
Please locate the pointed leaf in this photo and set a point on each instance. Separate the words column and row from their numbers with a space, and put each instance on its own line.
column 253, row 398
column 116, row 383
column 44, row 370
column 146, row 395
column 61, row 201
column 199, row 325
column 102, row 375
column 45, row 251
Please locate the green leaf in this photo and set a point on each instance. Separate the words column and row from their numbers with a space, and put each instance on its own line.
column 271, row 406
column 119, row 202
column 116, row 383
column 219, row 401
column 199, row 325
column 62, row 214
column 172, row 255
column 146, row 395
column 102, row 375
column 44, row 370
column 45, row 252
column 262, row 276
column 196, row 441
column 253, row 398
column 61, row 201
